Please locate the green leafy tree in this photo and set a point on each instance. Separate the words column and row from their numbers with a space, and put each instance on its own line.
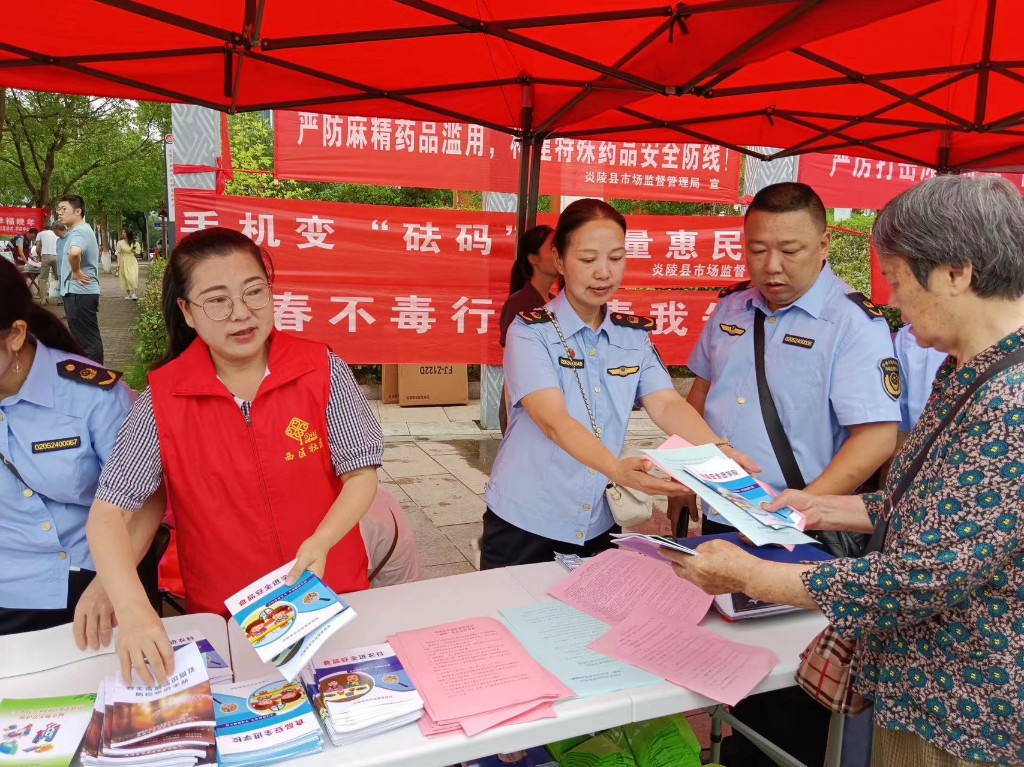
column 109, row 151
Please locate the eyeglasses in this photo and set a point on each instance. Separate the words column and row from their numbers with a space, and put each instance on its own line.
column 219, row 308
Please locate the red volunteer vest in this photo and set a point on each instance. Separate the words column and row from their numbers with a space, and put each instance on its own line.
column 246, row 495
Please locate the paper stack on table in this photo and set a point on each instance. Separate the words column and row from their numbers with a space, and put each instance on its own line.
column 218, row 670
column 263, row 721
column 474, row 675
column 43, row 731
column 654, row 615
column 361, row 692
column 557, row 636
column 687, row 655
column 285, row 624
column 170, row 725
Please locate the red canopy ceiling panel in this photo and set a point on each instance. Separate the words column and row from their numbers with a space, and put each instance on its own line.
column 939, row 85
column 459, row 59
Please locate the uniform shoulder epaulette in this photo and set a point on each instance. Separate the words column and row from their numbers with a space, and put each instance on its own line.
column 633, row 321
column 534, row 316
column 734, row 289
column 88, row 373
column 864, row 303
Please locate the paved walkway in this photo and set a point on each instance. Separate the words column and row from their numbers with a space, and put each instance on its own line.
column 436, row 459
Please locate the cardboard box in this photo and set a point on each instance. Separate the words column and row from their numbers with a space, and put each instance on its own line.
column 433, row 385
column 388, row 384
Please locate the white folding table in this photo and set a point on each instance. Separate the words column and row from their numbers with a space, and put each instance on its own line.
column 426, row 603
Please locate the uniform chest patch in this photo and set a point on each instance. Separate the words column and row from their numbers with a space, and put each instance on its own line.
column 53, row 445
column 732, row 330
column 569, row 362
column 806, row 343
column 891, row 381
column 624, row 370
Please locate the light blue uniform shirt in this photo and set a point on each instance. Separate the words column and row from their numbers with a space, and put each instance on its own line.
column 534, row 484
column 84, row 237
column 918, row 367
column 58, row 433
column 826, row 361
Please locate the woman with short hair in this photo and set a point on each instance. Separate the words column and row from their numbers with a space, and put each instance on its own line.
column 938, row 612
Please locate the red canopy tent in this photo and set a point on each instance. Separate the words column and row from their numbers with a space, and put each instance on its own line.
column 528, row 67
column 941, row 86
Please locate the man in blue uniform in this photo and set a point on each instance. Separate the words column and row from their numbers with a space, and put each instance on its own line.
column 918, row 366
column 797, row 370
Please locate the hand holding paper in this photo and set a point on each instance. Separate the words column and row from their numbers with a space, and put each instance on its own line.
column 726, row 568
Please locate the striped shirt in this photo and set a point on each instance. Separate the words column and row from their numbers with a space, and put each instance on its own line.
column 134, row 470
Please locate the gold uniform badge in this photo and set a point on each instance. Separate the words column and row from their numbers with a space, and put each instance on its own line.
column 891, row 381
column 624, row 370
column 732, row 330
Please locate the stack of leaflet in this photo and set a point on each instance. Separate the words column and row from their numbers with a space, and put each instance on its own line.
column 286, row 624
column 361, row 692
column 218, row 670
column 170, row 725
column 263, row 721
column 474, row 675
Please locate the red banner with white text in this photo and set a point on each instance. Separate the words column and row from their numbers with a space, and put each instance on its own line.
column 382, row 151
column 15, row 221
column 414, row 285
column 843, row 181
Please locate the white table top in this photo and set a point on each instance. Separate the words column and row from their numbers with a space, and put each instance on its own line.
column 83, row 672
column 417, row 605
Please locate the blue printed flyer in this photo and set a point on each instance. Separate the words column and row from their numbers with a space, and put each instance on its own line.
column 263, row 720
column 284, row 623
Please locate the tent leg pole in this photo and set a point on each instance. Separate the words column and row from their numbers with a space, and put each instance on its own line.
column 533, row 202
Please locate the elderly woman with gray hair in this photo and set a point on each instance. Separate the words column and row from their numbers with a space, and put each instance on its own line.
column 938, row 612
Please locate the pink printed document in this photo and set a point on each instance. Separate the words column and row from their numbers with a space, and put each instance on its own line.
column 689, row 656
column 613, row 584
column 474, row 675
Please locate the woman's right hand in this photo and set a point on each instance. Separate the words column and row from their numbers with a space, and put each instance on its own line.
column 814, row 508
column 635, row 473
column 142, row 644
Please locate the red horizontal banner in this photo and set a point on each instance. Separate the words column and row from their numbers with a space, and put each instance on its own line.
column 15, row 221
column 382, row 151
column 843, row 181
column 413, row 285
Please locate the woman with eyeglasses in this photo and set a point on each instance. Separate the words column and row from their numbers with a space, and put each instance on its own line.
column 59, row 415
column 266, row 445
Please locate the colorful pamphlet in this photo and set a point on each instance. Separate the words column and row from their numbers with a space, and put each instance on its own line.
column 361, row 692
column 43, row 732
column 286, row 624
column 731, row 492
column 264, row 720
column 168, row 725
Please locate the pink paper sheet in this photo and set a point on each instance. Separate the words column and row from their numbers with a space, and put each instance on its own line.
column 615, row 583
column 474, row 673
column 690, row 656
column 432, row 729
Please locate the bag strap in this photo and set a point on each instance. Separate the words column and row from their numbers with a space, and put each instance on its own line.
column 387, row 557
column 776, row 432
column 14, row 470
column 878, row 536
column 568, row 353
